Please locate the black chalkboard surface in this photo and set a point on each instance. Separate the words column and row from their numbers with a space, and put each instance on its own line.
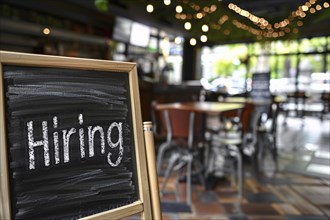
column 260, row 86
column 70, row 141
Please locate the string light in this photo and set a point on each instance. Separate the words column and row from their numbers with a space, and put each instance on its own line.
column 200, row 12
column 46, row 31
column 263, row 29
column 178, row 40
column 203, row 38
column 199, row 15
column 178, row 9
column 150, row 8
column 167, row 2
column 267, row 28
column 187, row 25
column 193, row 42
column 205, row 28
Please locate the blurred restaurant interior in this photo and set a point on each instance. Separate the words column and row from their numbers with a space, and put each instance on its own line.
column 263, row 150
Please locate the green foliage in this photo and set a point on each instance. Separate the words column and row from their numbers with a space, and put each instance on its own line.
column 102, row 5
column 224, row 68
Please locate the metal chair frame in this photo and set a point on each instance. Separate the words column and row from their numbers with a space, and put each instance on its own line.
column 183, row 156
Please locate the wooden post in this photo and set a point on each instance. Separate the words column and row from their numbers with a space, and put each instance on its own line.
column 151, row 164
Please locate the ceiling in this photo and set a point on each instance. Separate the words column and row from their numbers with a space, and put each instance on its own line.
column 224, row 23
column 278, row 19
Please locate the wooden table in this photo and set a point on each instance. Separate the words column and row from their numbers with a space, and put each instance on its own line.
column 243, row 100
column 204, row 107
column 209, row 108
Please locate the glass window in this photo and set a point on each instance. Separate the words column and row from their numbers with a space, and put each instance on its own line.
column 226, row 66
column 316, row 44
column 278, row 57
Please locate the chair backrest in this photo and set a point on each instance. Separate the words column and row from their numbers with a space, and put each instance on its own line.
column 183, row 124
column 247, row 116
column 272, row 117
column 158, row 127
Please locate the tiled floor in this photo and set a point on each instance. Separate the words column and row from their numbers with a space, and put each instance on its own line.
column 300, row 190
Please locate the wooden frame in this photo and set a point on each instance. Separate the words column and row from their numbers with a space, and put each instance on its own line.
column 143, row 205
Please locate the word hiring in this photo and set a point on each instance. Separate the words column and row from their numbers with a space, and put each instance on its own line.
column 67, row 134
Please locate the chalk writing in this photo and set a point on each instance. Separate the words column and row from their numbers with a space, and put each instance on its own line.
column 112, row 142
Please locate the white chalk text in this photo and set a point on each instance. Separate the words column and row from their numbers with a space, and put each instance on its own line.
column 113, row 137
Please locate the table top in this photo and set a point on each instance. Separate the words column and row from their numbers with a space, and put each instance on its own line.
column 277, row 99
column 205, row 107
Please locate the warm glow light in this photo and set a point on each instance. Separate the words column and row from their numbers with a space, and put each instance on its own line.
column 267, row 29
column 193, row 42
column 178, row 9
column 167, row 2
column 178, row 40
column 213, row 8
column 165, row 47
column 304, row 8
column 199, row 15
column 206, row 9
column 187, row 25
column 203, row 38
column 150, row 8
column 196, row 7
column 205, row 28
column 46, row 31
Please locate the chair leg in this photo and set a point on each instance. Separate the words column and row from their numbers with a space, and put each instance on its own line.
column 177, row 186
column 161, row 151
column 233, row 178
column 199, row 167
column 234, row 151
column 189, row 166
column 209, row 166
column 173, row 159
column 239, row 174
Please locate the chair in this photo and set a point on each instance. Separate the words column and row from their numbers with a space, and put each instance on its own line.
column 162, row 139
column 296, row 103
column 266, row 153
column 325, row 98
column 259, row 136
column 184, row 132
column 225, row 142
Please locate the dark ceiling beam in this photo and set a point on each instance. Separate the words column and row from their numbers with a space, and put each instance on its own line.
column 65, row 9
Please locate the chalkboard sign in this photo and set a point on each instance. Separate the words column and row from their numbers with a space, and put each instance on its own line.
column 260, row 86
column 71, row 139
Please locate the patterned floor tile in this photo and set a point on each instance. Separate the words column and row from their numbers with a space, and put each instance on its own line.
column 262, row 198
column 286, row 209
column 208, row 208
column 285, row 196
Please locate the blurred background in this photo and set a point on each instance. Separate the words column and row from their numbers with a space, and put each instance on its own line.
column 197, row 50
